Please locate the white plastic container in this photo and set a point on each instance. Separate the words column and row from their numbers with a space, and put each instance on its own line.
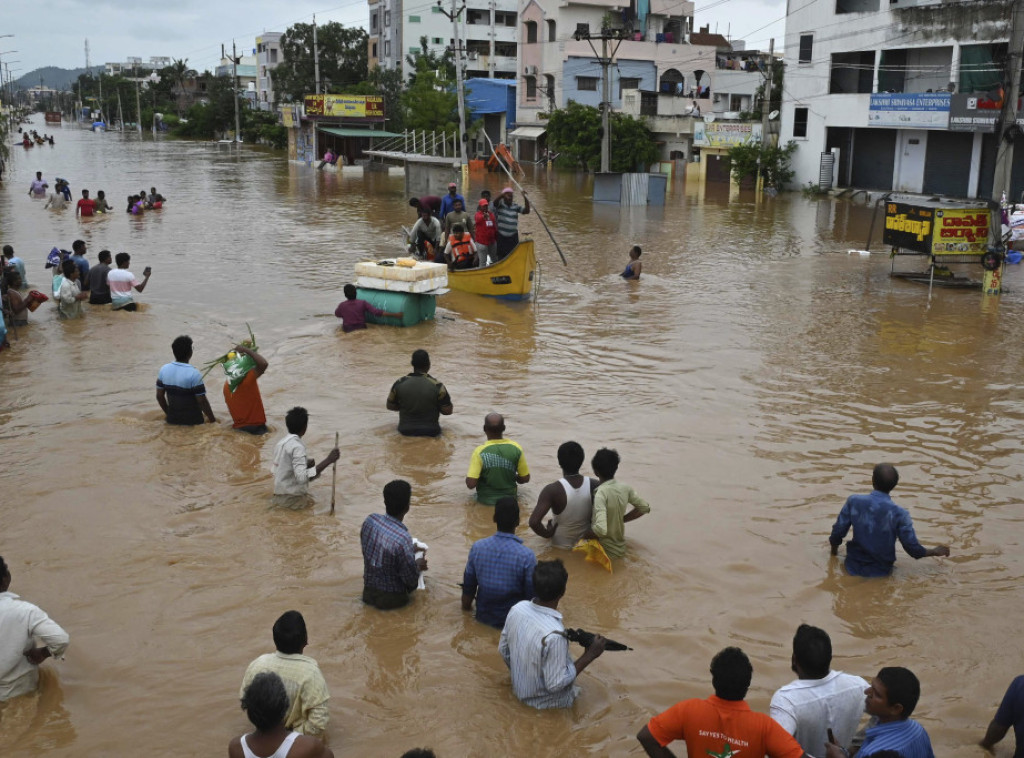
column 423, row 277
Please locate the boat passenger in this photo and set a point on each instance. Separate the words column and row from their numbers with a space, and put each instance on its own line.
column 460, row 252
column 425, row 237
column 486, row 231
column 448, row 201
column 433, row 202
column 458, row 217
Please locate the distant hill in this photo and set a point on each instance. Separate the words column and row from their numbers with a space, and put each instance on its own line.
column 53, row 77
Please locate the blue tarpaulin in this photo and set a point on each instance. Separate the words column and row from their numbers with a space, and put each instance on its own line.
column 492, row 96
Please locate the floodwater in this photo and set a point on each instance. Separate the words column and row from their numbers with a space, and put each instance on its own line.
column 749, row 381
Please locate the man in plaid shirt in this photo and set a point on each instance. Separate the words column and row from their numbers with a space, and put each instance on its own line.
column 391, row 569
column 499, row 572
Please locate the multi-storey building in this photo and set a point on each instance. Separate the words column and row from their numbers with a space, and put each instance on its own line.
column 487, row 33
column 673, row 69
column 897, row 94
column 268, row 56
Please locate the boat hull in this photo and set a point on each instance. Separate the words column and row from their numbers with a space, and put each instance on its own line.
column 511, row 278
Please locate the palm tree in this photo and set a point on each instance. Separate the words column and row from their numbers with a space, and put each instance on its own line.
column 180, row 72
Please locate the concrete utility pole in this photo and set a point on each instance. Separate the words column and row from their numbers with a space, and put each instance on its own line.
column 138, row 100
column 463, row 137
column 606, row 60
column 316, row 60
column 1008, row 117
column 234, row 76
column 765, row 107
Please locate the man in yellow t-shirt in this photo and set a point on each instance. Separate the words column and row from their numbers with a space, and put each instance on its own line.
column 498, row 466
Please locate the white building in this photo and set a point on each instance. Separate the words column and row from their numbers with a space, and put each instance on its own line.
column 902, row 93
column 487, row 31
column 268, row 56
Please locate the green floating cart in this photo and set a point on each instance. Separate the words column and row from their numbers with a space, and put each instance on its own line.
column 410, row 289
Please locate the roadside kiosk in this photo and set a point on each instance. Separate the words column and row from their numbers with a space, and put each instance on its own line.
column 948, row 231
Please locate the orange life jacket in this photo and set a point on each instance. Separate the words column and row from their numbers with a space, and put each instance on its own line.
column 460, row 248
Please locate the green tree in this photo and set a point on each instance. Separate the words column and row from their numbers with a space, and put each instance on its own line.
column 775, row 162
column 178, row 73
column 430, row 102
column 342, row 54
column 389, row 84
column 575, row 133
column 426, row 59
column 632, row 145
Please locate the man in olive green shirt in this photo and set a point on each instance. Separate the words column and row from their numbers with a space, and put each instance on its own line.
column 498, row 466
column 419, row 399
column 609, row 522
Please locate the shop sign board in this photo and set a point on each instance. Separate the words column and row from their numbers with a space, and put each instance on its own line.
column 347, row 106
column 913, row 110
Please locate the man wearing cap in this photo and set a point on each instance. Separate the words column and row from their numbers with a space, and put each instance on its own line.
column 486, row 232
column 448, row 201
column 507, row 214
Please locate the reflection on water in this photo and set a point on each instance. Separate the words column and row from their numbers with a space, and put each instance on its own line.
column 749, row 381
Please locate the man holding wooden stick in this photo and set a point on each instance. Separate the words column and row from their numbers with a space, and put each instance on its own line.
column 293, row 471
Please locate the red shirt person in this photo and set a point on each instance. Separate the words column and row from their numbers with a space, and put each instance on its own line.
column 352, row 311
column 486, row 232
column 86, row 206
column 723, row 724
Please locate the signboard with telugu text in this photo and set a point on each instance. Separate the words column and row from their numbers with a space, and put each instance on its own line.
column 960, row 231
column 912, row 110
column 347, row 106
column 725, row 133
column 908, row 226
column 936, row 231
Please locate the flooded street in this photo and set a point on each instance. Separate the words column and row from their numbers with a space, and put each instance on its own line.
column 749, row 381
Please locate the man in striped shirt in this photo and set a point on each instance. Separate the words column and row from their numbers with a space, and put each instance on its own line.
column 507, row 214
column 535, row 649
column 889, row 701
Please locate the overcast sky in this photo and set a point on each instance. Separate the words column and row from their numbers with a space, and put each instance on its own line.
column 53, row 32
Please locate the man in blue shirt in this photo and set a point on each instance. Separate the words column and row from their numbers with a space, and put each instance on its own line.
column 1010, row 713
column 448, row 201
column 877, row 523
column 180, row 389
column 499, row 572
column 889, row 701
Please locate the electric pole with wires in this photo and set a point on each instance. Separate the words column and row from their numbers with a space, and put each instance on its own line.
column 605, row 59
column 453, row 15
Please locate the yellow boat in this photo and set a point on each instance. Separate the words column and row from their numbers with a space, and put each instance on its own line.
column 511, row 278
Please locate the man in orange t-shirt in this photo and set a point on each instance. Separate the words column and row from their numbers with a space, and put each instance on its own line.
column 245, row 403
column 723, row 725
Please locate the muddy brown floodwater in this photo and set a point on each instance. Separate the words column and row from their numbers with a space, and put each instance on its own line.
column 749, row 381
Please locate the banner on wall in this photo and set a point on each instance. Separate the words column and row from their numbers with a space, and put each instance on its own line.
column 725, row 133
column 923, row 110
column 347, row 106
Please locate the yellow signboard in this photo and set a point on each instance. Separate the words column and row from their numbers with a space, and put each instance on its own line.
column 960, row 231
column 347, row 106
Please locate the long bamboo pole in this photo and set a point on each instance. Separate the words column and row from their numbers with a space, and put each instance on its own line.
column 533, row 206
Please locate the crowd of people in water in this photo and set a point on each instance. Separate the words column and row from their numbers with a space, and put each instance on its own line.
column 31, row 138
column 284, row 693
column 88, row 206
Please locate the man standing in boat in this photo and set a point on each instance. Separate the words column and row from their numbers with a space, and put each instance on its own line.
column 448, row 201
column 486, row 232
column 507, row 214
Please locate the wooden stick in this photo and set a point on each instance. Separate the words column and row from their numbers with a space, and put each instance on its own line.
column 533, row 205
column 334, row 476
